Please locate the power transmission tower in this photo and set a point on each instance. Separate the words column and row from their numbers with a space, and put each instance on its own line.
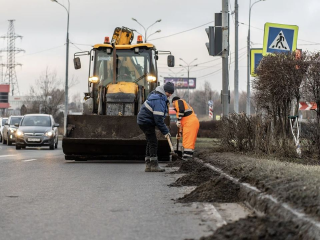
column 11, row 76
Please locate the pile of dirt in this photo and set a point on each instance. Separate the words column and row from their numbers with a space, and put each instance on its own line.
column 189, row 166
column 176, row 163
column 291, row 183
column 257, row 228
column 218, row 189
column 195, row 178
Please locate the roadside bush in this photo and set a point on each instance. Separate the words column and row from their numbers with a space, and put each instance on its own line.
column 309, row 138
column 243, row 133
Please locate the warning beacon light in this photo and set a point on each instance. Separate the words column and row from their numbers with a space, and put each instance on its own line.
column 106, row 40
column 139, row 39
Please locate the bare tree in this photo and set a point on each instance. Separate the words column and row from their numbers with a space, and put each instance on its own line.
column 47, row 95
column 277, row 86
column 311, row 92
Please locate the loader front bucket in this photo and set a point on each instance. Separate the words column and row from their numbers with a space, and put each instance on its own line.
column 100, row 137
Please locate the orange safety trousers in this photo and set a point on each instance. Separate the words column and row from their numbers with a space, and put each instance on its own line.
column 190, row 126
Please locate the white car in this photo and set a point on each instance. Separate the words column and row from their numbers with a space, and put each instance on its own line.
column 2, row 122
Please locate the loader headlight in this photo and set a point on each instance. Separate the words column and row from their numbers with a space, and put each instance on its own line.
column 94, row 79
column 19, row 133
column 151, row 78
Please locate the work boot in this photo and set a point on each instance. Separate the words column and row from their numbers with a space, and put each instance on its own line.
column 148, row 164
column 154, row 165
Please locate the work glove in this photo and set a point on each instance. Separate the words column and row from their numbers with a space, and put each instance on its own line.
column 167, row 135
column 178, row 124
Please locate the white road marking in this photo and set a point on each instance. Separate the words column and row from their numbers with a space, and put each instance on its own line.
column 29, row 160
column 2, row 156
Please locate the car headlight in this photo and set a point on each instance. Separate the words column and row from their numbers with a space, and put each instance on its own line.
column 19, row 133
column 49, row 134
column 12, row 130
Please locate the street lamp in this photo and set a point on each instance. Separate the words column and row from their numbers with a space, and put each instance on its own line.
column 248, row 59
column 188, row 67
column 146, row 30
column 155, row 33
column 67, row 66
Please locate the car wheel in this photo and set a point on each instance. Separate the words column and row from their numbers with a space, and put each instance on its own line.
column 23, row 147
column 9, row 143
column 3, row 141
column 18, row 147
column 0, row 137
column 52, row 146
column 56, row 145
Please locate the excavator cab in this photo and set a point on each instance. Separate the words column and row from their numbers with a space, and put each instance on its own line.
column 121, row 76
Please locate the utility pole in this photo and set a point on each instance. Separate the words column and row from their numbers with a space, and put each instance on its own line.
column 225, row 54
column 66, row 88
column 248, row 65
column 236, row 56
column 11, row 76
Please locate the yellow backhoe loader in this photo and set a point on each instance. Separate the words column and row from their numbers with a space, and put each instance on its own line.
column 121, row 75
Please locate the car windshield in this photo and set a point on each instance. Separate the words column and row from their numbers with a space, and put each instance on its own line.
column 15, row 120
column 43, row 121
column 4, row 121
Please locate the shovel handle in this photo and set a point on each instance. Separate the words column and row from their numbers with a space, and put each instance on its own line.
column 170, row 144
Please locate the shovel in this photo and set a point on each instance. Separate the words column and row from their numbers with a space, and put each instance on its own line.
column 173, row 154
column 178, row 140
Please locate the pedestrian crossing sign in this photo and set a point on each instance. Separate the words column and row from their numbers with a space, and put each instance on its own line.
column 279, row 38
column 256, row 57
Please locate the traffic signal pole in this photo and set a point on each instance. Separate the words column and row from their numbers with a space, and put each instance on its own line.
column 225, row 54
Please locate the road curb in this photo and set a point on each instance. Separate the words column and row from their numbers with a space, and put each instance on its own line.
column 263, row 203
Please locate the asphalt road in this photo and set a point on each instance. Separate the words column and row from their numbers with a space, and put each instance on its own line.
column 44, row 197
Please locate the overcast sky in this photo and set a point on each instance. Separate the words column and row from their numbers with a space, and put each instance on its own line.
column 42, row 23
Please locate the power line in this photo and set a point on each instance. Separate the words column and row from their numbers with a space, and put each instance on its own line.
column 181, row 32
column 313, row 43
column 84, row 44
column 244, row 54
column 41, row 51
column 75, row 46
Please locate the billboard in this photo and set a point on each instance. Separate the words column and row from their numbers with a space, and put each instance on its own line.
column 182, row 83
column 4, row 95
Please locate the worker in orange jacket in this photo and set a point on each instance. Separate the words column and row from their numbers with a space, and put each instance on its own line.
column 189, row 123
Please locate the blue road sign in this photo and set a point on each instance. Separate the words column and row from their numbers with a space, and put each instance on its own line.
column 279, row 38
column 256, row 57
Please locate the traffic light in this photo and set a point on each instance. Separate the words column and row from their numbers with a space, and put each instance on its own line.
column 215, row 36
column 210, row 44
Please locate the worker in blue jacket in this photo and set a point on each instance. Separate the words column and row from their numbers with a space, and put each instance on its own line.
column 152, row 114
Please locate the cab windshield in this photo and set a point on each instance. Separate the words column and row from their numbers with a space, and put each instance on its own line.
column 131, row 66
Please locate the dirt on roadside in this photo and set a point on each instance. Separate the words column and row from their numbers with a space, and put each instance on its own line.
column 255, row 228
column 189, row 166
column 195, row 178
column 291, row 183
column 176, row 163
column 218, row 189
